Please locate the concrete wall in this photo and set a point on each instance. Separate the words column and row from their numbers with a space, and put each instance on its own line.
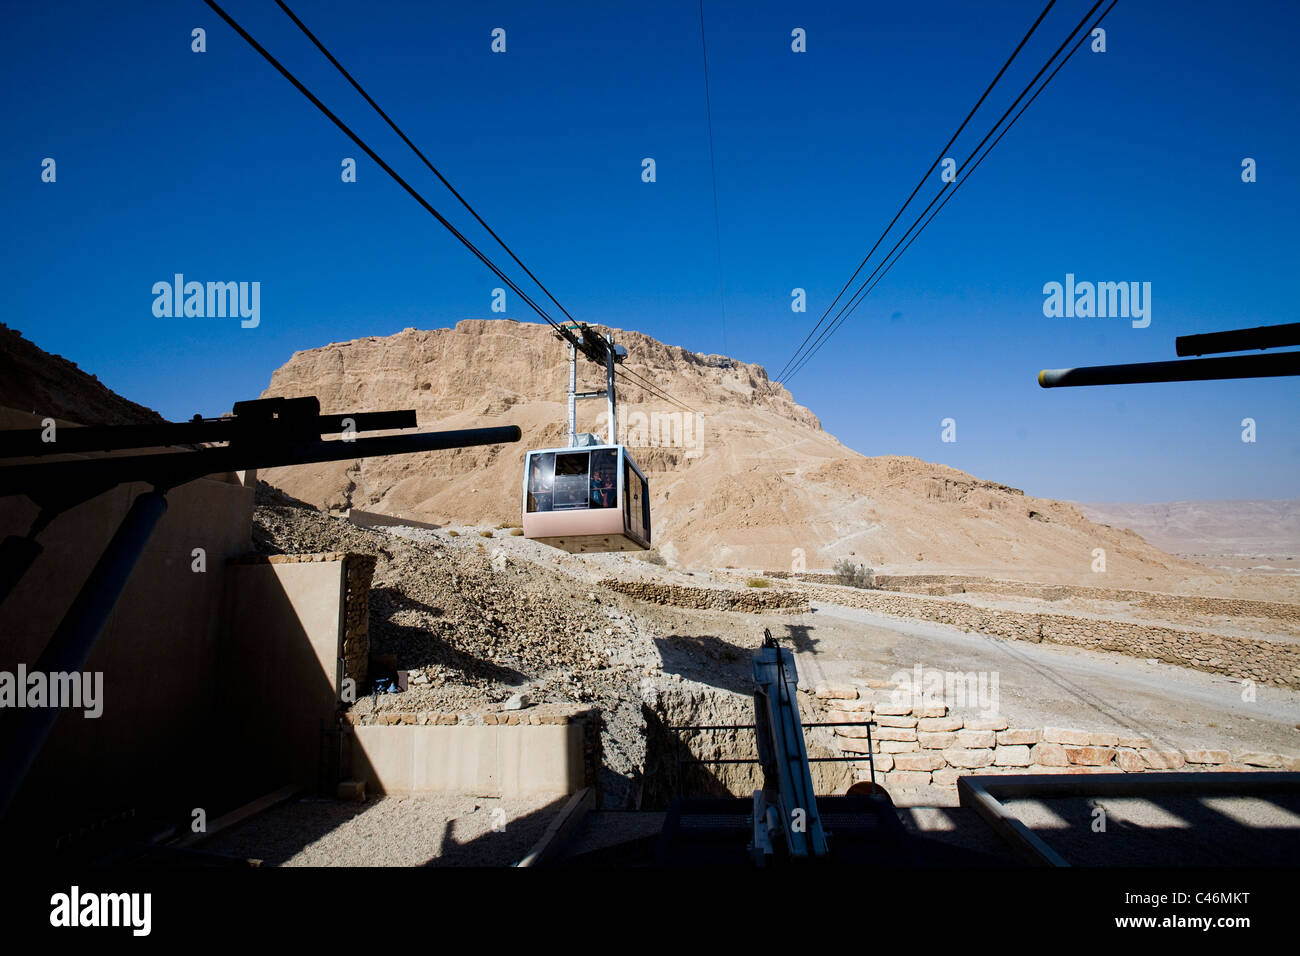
column 488, row 761
column 158, row 652
column 281, row 668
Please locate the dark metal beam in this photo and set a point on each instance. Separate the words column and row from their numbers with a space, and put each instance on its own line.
column 1191, row 370
column 1239, row 340
column 168, row 469
column 73, row 439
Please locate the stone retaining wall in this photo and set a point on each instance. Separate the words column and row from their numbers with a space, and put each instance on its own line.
column 1257, row 659
column 318, row 557
column 358, row 570
column 748, row 600
column 925, row 745
column 938, row 584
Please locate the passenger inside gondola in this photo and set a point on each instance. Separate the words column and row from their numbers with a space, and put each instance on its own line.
column 604, row 487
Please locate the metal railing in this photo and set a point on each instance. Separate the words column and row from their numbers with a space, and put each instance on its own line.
column 680, row 761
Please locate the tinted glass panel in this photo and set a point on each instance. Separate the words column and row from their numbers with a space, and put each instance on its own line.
column 571, row 463
column 627, row 497
column 645, row 510
column 604, row 478
column 633, row 511
column 572, row 483
column 541, row 481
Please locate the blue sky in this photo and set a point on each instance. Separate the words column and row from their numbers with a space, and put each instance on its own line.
column 1126, row 169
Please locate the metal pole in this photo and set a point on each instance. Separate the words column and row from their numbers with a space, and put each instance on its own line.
column 1188, row 370
column 27, row 442
column 1239, row 340
column 609, row 389
column 75, row 638
column 573, row 399
column 169, row 469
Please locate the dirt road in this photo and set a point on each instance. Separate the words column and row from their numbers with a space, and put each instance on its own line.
column 1050, row 685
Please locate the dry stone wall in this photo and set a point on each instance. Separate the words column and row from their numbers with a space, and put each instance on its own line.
column 1263, row 661
column 673, row 705
column 941, row 584
column 748, row 600
column 358, row 571
column 535, row 715
column 932, row 584
column 924, row 745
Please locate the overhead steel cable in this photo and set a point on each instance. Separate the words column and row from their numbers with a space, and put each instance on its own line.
column 967, row 176
column 653, row 393
column 415, row 149
column 638, row 381
column 863, row 291
column 356, row 85
column 562, row 331
column 886, row 264
column 386, row 168
column 828, row 331
column 920, row 183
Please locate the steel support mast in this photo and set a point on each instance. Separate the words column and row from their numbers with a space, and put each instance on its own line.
column 601, row 350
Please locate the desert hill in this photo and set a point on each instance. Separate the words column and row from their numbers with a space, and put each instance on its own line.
column 1260, row 528
column 34, row 381
column 749, row 479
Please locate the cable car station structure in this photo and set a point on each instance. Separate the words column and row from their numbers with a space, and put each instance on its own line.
column 585, row 497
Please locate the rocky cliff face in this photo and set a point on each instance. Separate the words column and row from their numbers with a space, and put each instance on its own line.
column 748, row 479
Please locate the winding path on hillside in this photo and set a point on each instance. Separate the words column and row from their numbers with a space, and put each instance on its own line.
column 1053, row 685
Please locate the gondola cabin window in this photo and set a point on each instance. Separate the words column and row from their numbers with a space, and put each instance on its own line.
column 604, row 478
column 566, row 481
column 541, row 481
column 586, row 499
column 636, row 503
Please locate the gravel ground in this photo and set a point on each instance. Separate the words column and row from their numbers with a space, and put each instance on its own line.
column 429, row 830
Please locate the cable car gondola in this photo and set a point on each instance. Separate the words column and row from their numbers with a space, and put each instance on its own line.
column 586, row 500
column 587, row 497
